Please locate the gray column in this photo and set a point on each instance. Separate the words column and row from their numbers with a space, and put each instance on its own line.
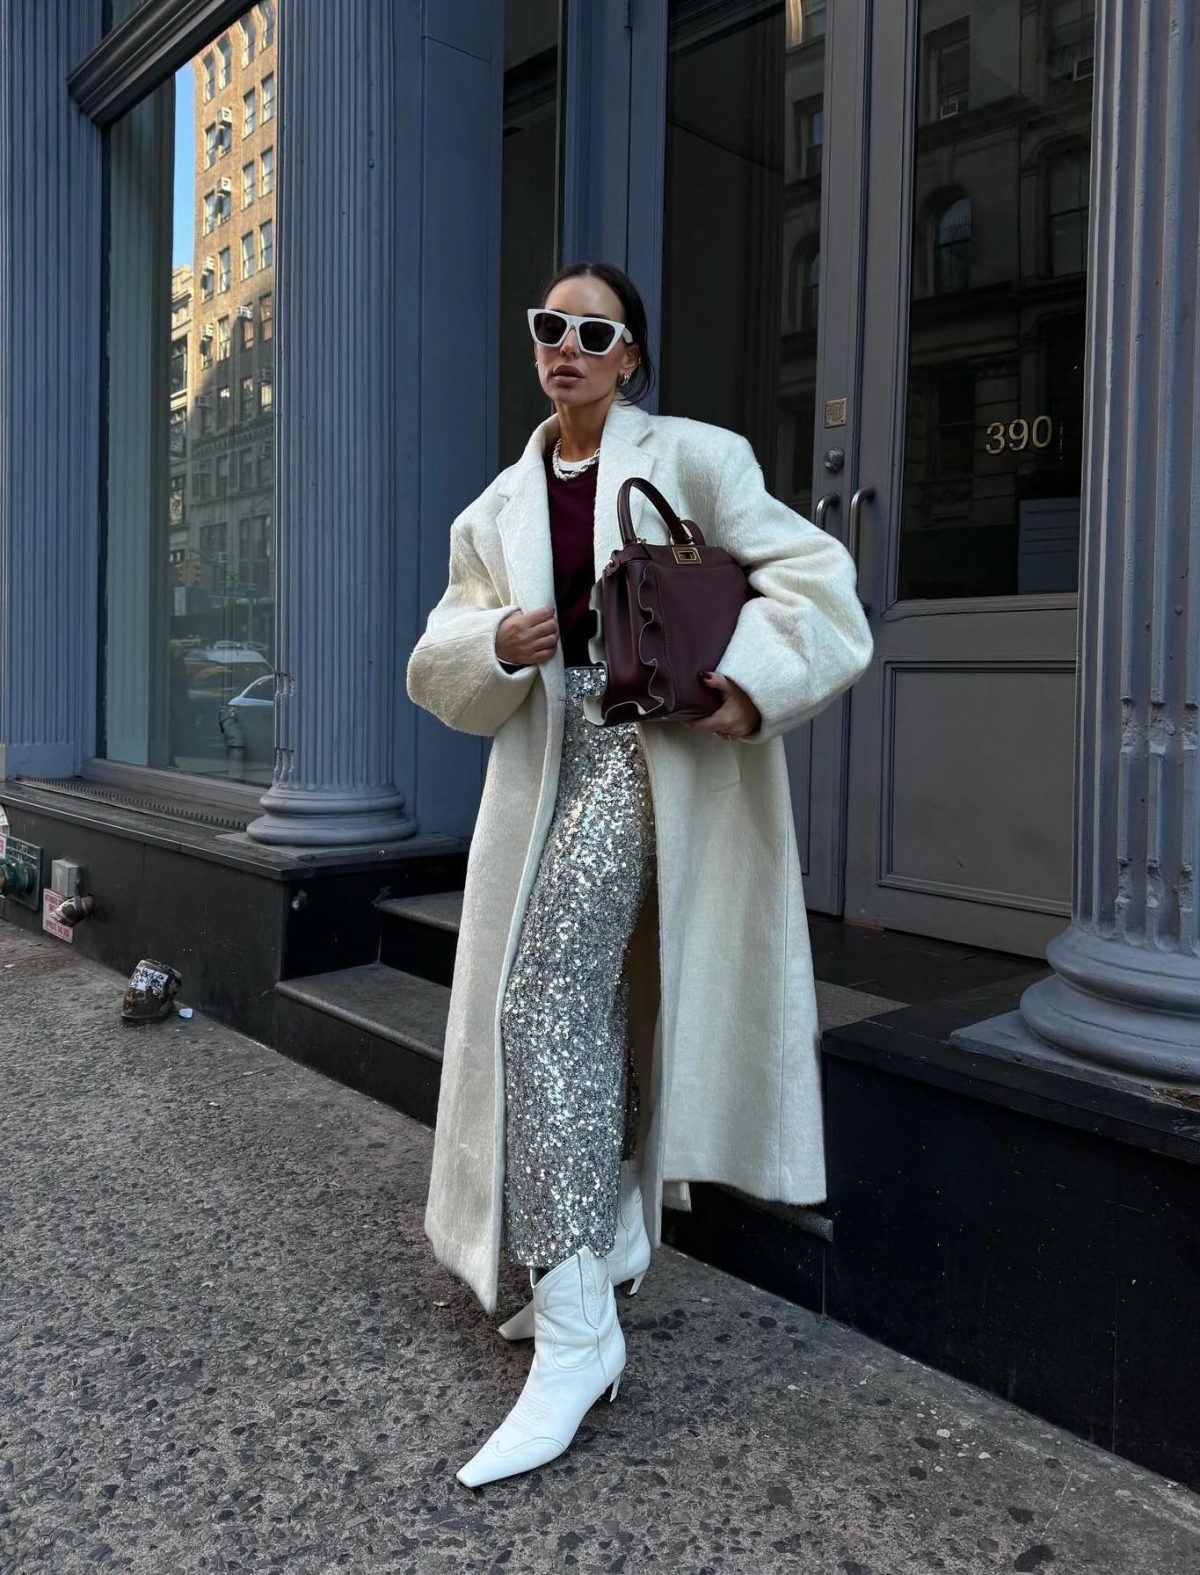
column 1125, row 992
column 50, row 254
column 342, row 86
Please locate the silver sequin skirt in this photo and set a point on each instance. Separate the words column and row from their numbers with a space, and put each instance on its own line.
column 571, row 1091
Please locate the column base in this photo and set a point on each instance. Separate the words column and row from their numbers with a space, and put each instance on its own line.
column 1110, row 1005
column 317, row 818
column 1010, row 1038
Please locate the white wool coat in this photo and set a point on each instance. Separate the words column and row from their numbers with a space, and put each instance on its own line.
column 722, row 1008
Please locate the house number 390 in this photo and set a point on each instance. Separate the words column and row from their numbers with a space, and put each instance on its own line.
column 1020, row 434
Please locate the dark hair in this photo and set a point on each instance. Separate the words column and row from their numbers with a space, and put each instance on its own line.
column 641, row 381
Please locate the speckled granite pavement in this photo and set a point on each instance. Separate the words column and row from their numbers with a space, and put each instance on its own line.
column 225, row 1345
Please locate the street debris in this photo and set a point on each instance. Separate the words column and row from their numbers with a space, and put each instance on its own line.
column 150, row 995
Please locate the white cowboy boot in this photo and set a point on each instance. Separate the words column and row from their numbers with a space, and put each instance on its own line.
column 578, row 1352
column 629, row 1258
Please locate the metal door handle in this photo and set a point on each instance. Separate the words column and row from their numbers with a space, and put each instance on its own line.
column 863, row 495
column 829, row 501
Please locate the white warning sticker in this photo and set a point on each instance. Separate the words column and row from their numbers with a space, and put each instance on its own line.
column 51, row 902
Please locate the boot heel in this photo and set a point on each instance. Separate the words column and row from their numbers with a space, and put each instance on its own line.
column 633, row 1289
column 616, row 1383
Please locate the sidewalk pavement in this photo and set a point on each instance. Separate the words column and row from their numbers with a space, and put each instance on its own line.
column 226, row 1346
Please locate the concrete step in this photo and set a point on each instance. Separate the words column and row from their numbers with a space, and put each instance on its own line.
column 420, row 934
column 376, row 1028
column 442, row 909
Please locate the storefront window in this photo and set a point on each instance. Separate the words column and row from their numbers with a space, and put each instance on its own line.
column 529, row 216
column 993, row 440
column 189, row 597
column 745, row 160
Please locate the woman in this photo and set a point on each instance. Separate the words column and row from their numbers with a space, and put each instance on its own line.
column 633, row 1001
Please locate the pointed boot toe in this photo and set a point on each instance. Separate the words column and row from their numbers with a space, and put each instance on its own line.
column 579, row 1353
column 526, row 1438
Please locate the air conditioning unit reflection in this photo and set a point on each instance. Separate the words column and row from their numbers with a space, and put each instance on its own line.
column 207, row 331
column 1083, row 69
column 225, row 115
column 245, row 311
column 209, row 264
column 204, row 401
column 224, row 183
column 950, row 107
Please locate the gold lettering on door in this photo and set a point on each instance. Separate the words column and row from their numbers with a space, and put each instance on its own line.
column 1020, row 434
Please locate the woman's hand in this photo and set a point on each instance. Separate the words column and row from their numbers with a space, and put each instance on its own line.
column 524, row 638
column 737, row 714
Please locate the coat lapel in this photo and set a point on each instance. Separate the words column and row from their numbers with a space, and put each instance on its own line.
column 524, row 519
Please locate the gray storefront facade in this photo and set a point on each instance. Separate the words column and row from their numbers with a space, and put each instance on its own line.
column 263, row 278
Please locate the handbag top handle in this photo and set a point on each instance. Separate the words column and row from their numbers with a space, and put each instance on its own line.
column 685, row 532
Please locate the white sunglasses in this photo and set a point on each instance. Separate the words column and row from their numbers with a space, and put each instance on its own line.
column 594, row 335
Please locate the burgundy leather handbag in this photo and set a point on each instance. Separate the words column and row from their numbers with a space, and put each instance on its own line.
column 665, row 614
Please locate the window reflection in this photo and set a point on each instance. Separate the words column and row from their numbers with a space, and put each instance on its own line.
column 952, row 246
column 188, row 675
column 742, row 225
column 992, row 457
column 1069, row 174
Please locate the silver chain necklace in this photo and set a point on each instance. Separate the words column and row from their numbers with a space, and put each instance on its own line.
column 568, row 469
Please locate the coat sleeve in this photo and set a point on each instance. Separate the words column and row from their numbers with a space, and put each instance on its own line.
column 805, row 639
column 453, row 670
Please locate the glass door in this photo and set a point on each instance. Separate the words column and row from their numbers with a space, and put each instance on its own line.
column 755, row 323
column 965, row 509
column 874, row 266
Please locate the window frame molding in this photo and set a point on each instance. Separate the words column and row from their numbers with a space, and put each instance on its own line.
column 177, row 787
column 140, row 53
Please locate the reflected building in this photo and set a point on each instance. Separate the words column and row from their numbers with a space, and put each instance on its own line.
column 1000, row 218
column 230, row 430
column 186, row 680
column 182, row 359
column 803, row 136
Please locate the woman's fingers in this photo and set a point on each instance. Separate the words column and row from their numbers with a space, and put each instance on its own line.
column 729, row 720
column 540, row 635
column 537, row 634
column 725, row 713
column 723, row 717
column 719, row 722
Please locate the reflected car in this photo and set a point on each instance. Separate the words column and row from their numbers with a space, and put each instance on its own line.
column 247, row 722
column 214, row 674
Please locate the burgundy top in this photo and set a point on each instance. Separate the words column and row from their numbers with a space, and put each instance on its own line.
column 572, row 513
